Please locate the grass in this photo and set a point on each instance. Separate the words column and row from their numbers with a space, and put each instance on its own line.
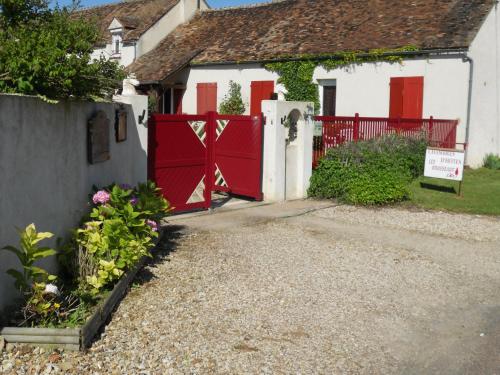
column 481, row 193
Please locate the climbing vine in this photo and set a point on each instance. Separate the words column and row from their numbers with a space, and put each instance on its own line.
column 297, row 75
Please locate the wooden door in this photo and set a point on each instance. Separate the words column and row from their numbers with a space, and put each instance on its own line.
column 329, row 100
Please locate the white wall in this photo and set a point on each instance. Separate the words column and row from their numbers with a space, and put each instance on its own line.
column 127, row 54
column 180, row 13
column 243, row 74
column 45, row 176
column 366, row 88
column 485, row 122
column 161, row 29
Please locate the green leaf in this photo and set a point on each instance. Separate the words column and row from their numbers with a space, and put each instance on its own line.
column 43, row 252
column 37, row 271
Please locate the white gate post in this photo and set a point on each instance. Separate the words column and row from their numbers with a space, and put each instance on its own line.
column 287, row 165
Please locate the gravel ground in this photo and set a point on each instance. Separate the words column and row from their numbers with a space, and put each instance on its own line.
column 278, row 290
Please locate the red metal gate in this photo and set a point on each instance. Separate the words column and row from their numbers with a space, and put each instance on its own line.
column 189, row 156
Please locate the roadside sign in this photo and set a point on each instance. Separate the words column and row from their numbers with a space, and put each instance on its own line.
column 444, row 163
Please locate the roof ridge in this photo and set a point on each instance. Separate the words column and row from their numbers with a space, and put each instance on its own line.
column 112, row 3
column 246, row 6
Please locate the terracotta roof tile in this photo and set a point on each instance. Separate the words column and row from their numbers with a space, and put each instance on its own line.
column 136, row 16
column 294, row 27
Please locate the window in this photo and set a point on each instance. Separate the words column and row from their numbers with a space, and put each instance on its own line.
column 116, row 43
column 206, row 97
column 407, row 95
column 329, row 100
column 260, row 90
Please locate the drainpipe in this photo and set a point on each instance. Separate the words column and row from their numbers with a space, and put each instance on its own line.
column 470, row 60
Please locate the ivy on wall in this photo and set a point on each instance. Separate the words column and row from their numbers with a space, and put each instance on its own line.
column 297, row 75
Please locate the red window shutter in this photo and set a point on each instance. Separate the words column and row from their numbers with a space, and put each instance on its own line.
column 260, row 90
column 396, row 100
column 413, row 97
column 407, row 96
column 178, row 95
column 206, row 97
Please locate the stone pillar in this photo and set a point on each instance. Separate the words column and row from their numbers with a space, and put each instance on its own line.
column 288, row 138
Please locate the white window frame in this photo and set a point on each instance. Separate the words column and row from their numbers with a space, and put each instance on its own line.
column 116, row 37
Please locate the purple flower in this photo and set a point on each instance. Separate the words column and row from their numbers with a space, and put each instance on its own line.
column 102, row 197
column 153, row 225
column 133, row 201
column 125, row 187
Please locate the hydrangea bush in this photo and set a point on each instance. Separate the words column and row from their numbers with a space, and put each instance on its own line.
column 113, row 237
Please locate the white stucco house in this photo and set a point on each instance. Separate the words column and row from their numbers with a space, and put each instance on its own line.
column 129, row 29
column 454, row 73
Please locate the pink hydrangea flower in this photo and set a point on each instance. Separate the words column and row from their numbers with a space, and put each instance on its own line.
column 102, row 197
column 153, row 225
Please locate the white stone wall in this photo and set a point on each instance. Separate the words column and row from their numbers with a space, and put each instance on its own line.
column 243, row 74
column 485, row 121
column 45, row 176
column 127, row 54
column 364, row 88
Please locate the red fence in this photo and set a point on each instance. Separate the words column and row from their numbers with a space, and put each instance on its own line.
column 338, row 130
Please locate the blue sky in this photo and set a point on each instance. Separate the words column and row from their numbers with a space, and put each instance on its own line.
column 213, row 3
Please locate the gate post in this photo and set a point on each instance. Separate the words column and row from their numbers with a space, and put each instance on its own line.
column 210, row 169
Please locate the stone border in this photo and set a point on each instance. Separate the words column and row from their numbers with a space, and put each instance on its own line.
column 76, row 338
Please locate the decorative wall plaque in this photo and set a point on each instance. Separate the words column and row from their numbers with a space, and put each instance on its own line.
column 98, row 138
column 121, row 125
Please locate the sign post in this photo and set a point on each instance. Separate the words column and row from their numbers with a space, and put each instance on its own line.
column 446, row 164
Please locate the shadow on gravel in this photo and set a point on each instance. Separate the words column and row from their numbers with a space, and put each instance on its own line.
column 168, row 243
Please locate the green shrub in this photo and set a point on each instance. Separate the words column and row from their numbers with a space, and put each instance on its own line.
column 28, row 253
column 47, row 51
column 492, row 161
column 232, row 104
column 371, row 172
column 117, row 232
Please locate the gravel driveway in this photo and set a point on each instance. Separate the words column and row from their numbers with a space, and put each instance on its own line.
column 305, row 287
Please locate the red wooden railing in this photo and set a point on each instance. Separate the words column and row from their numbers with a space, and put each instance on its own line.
column 337, row 130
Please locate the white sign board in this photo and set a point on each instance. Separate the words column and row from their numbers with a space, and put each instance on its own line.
column 443, row 163
column 318, row 128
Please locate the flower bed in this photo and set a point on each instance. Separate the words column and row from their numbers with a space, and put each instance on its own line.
column 96, row 266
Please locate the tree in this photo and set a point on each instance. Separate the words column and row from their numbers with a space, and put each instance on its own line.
column 47, row 52
column 232, row 103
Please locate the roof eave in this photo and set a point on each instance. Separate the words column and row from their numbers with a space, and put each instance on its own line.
column 420, row 52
